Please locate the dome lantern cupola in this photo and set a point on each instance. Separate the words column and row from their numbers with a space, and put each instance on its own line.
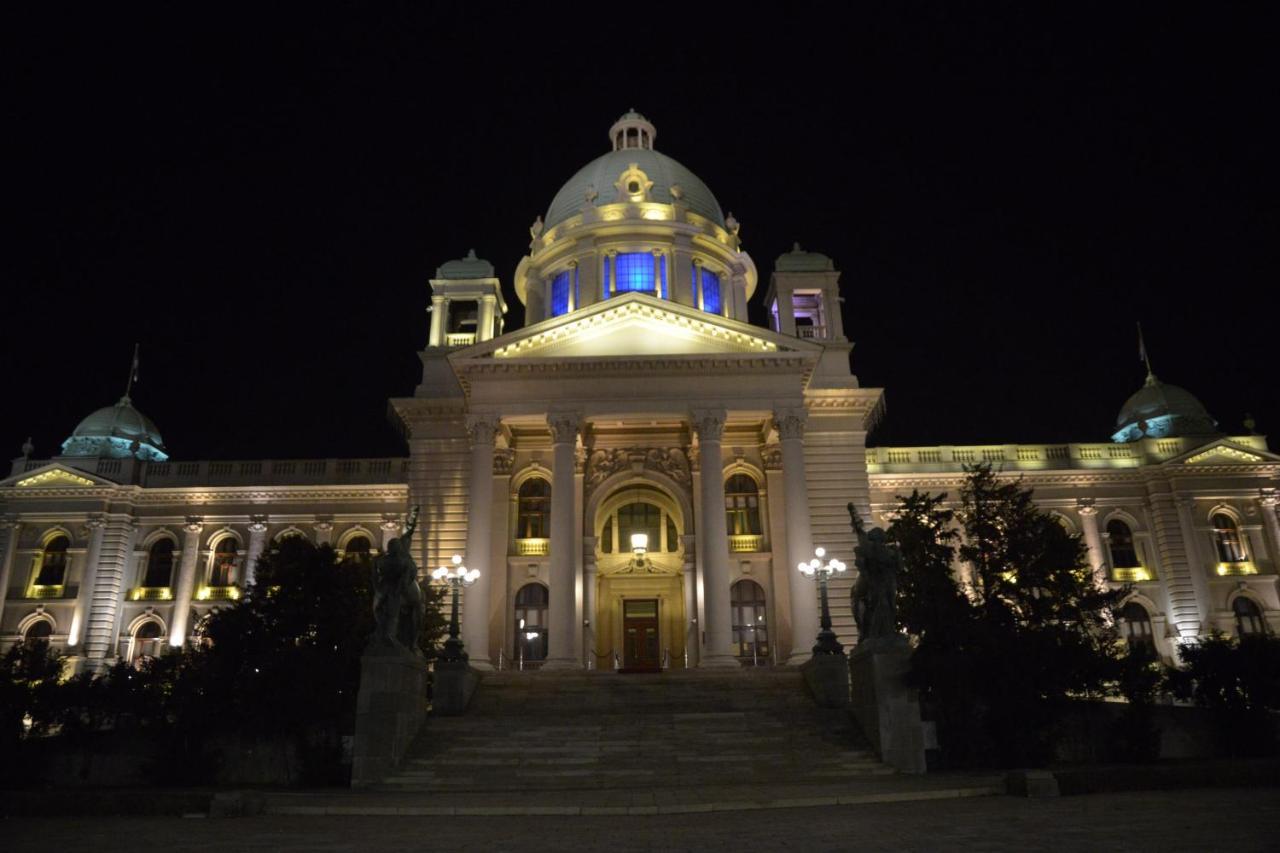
column 632, row 131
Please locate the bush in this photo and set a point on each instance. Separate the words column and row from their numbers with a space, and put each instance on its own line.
column 1239, row 680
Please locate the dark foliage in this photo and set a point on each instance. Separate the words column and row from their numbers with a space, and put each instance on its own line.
column 1239, row 680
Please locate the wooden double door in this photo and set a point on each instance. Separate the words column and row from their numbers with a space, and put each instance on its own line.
column 641, row 643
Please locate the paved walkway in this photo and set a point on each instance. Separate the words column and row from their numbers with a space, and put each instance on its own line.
column 1168, row 821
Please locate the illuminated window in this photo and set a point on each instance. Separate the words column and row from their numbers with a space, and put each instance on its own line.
column 1226, row 536
column 159, row 564
column 224, row 563
column 1248, row 618
column 560, row 294
column 750, row 633
column 38, row 632
column 531, row 623
column 742, row 506
column 633, row 272
column 640, row 518
column 533, row 518
column 1120, row 540
column 1136, row 623
column 53, row 562
column 662, row 275
column 146, row 643
column 710, row 292
column 358, row 549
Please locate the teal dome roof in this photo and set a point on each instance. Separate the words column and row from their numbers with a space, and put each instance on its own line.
column 1159, row 410
column 118, row 431
column 798, row 260
column 602, row 173
column 468, row 267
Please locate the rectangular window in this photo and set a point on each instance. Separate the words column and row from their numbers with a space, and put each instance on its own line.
column 560, row 294
column 710, row 292
column 634, row 272
column 662, row 271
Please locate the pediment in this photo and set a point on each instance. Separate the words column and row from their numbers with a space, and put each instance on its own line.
column 54, row 476
column 636, row 325
column 1225, row 452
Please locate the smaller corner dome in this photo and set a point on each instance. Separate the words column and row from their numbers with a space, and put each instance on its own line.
column 118, row 431
column 1160, row 410
column 468, row 267
column 798, row 260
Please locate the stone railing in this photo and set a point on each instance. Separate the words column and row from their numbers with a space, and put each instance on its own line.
column 151, row 593
column 275, row 472
column 533, row 547
column 459, row 339
column 218, row 593
column 749, row 543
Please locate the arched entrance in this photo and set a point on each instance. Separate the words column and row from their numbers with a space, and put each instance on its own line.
column 640, row 615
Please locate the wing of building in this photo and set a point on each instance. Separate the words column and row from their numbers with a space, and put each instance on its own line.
column 636, row 472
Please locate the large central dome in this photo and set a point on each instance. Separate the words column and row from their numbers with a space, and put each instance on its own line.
column 596, row 182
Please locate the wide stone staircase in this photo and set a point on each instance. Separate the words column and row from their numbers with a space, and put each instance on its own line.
column 540, row 732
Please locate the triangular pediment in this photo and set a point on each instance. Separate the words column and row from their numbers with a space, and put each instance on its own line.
column 1224, row 452
column 636, row 325
column 54, row 476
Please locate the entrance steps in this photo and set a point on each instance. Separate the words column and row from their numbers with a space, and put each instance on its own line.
column 601, row 731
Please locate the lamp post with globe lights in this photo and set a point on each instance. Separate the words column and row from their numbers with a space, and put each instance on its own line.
column 457, row 576
column 817, row 570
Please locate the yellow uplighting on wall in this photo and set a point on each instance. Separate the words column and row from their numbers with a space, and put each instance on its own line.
column 55, row 478
column 1131, row 574
column 1242, row 568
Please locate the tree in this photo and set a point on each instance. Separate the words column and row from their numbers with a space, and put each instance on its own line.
column 1000, row 651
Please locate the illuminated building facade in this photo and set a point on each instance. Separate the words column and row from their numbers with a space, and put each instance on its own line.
column 636, row 472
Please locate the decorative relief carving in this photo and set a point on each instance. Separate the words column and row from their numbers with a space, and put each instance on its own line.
column 390, row 521
column 258, row 524
column 772, row 456
column 603, row 464
column 1269, row 498
column 194, row 524
column 579, row 459
column 790, row 422
column 504, row 458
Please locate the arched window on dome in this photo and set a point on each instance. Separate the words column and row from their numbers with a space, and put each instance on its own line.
column 1136, row 623
column 53, row 562
column 1226, row 537
column 560, row 294
column 531, row 624
column 639, row 272
column 709, row 285
column 750, row 630
column 1124, row 555
column 159, row 571
column 533, row 504
column 1249, row 622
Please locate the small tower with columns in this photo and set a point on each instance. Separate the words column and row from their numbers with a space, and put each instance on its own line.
column 466, row 303
column 804, row 296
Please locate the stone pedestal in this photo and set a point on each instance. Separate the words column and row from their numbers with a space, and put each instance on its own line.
column 451, row 691
column 827, row 677
column 886, row 709
column 390, row 709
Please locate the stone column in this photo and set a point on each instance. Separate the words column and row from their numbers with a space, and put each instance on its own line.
column 1268, row 498
column 714, row 539
column 689, row 572
column 484, row 322
column 257, row 542
column 790, row 423
column 97, row 525
column 483, row 429
column 1093, row 540
column 589, row 575
column 390, row 529
column 534, row 300
column 11, row 528
column 561, row 632
column 436, row 337
column 324, row 531
column 179, row 624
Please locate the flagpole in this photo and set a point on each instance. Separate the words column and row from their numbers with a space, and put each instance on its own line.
column 133, row 373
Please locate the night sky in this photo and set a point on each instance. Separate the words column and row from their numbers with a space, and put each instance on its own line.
column 259, row 198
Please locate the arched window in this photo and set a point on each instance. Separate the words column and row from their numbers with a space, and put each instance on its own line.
column 531, row 623
column 358, row 548
column 635, row 272
column 742, row 506
column 639, row 517
column 560, row 294
column 1136, row 623
column 159, row 564
column 750, row 631
column 223, row 568
column 1120, row 540
column 711, row 302
column 1248, row 617
column 534, row 510
column 39, row 631
column 1226, row 535
column 53, row 562
column 146, row 643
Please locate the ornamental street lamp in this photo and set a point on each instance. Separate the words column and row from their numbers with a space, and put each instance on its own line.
column 457, row 577
column 815, row 569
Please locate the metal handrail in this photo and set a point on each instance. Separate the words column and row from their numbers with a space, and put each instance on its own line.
column 595, row 655
column 666, row 659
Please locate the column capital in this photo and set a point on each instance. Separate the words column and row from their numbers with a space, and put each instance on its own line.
column 1086, row 506
column 564, row 426
column 482, row 428
column 1269, row 497
column 790, row 421
column 323, row 524
column 193, row 524
column 258, row 523
column 504, row 459
column 390, row 521
column 10, row 524
column 96, row 521
column 708, row 423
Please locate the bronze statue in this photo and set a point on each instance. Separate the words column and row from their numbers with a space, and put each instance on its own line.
column 398, row 604
column 875, row 591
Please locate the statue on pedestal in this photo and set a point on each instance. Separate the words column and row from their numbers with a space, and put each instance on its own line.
column 399, row 606
column 875, row 591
